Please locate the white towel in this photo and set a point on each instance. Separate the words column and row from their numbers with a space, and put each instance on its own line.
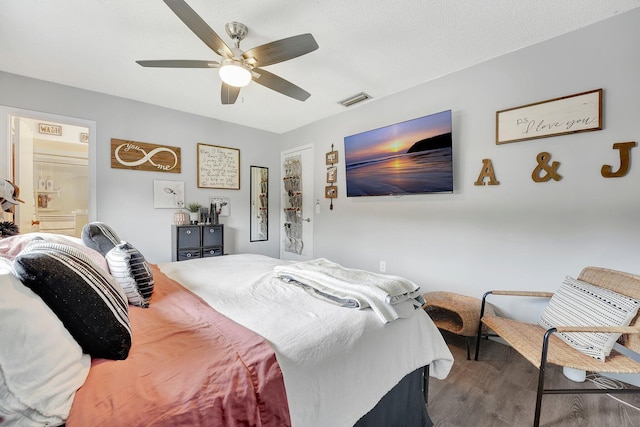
column 390, row 297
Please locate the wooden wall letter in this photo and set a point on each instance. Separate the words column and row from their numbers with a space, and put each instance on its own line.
column 551, row 170
column 487, row 172
column 625, row 160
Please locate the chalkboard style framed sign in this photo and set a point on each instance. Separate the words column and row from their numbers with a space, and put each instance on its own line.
column 218, row 167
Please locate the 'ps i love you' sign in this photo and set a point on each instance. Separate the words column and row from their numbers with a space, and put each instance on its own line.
column 581, row 112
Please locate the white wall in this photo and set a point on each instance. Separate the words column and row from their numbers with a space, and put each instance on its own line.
column 519, row 234
column 125, row 198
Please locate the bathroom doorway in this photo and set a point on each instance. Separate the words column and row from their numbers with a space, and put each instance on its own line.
column 51, row 164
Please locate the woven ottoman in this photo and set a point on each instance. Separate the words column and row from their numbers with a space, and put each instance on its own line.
column 458, row 314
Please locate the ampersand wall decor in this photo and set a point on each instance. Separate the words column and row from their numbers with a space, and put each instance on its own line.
column 551, row 170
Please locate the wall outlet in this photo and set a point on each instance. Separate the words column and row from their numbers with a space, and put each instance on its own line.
column 383, row 266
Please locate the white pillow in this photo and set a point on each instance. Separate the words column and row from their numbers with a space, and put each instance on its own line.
column 11, row 246
column 41, row 365
column 579, row 303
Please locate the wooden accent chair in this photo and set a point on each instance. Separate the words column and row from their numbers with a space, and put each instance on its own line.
column 540, row 346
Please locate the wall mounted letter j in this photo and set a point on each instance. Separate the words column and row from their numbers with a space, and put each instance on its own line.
column 625, row 160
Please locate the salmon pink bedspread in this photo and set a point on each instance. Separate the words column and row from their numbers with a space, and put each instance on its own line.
column 188, row 366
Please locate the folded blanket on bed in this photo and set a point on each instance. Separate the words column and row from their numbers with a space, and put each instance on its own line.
column 388, row 296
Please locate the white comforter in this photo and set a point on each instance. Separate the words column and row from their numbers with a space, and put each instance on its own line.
column 337, row 362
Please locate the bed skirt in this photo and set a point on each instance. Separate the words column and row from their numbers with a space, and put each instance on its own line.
column 404, row 405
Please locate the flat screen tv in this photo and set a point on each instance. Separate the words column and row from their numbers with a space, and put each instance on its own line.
column 411, row 157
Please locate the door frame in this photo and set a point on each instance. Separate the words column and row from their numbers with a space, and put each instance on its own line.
column 6, row 145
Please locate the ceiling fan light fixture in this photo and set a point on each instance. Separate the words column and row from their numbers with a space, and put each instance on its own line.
column 235, row 73
column 237, row 67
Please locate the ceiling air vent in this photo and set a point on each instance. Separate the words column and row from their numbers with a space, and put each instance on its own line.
column 355, row 99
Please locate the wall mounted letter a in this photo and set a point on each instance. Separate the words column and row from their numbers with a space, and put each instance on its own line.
column 625, row 159
column 487, row 172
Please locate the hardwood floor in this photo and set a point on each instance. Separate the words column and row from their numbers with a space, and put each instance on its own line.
column 500, row 390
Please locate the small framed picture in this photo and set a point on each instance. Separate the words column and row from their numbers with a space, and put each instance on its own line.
column 168, row 194
column 222, row 203
column 330, row 192
column 332, row 173
column 332, row 157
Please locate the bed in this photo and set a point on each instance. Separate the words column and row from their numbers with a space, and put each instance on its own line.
column 222, row 342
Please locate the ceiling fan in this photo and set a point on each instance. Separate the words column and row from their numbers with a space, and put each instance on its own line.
column 238, row 68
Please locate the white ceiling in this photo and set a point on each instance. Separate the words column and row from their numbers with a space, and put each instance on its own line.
column 380, row 47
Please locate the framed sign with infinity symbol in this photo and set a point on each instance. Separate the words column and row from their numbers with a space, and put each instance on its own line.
column 144, row 157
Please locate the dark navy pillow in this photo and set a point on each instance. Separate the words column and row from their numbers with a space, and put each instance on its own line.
column 100, row 237
column 87, row 300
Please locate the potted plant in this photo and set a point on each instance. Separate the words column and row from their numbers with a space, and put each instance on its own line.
column 194, row 211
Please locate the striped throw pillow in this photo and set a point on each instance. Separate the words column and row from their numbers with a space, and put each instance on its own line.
column 88, row 301
column 579, row 303
column 131, row 271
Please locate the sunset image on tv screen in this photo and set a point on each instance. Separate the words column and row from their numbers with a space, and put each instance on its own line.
column 410, row 157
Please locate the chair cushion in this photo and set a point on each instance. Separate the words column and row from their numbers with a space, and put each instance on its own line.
column 579, row 303
column 526, row 339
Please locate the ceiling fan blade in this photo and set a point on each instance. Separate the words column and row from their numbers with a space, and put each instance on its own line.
column 180, row 63
column 279, row 84
column 229, row 94
column 199, row 27
column 282, row 50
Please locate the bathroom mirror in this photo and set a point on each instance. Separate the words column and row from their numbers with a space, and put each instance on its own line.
column 259, row 191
